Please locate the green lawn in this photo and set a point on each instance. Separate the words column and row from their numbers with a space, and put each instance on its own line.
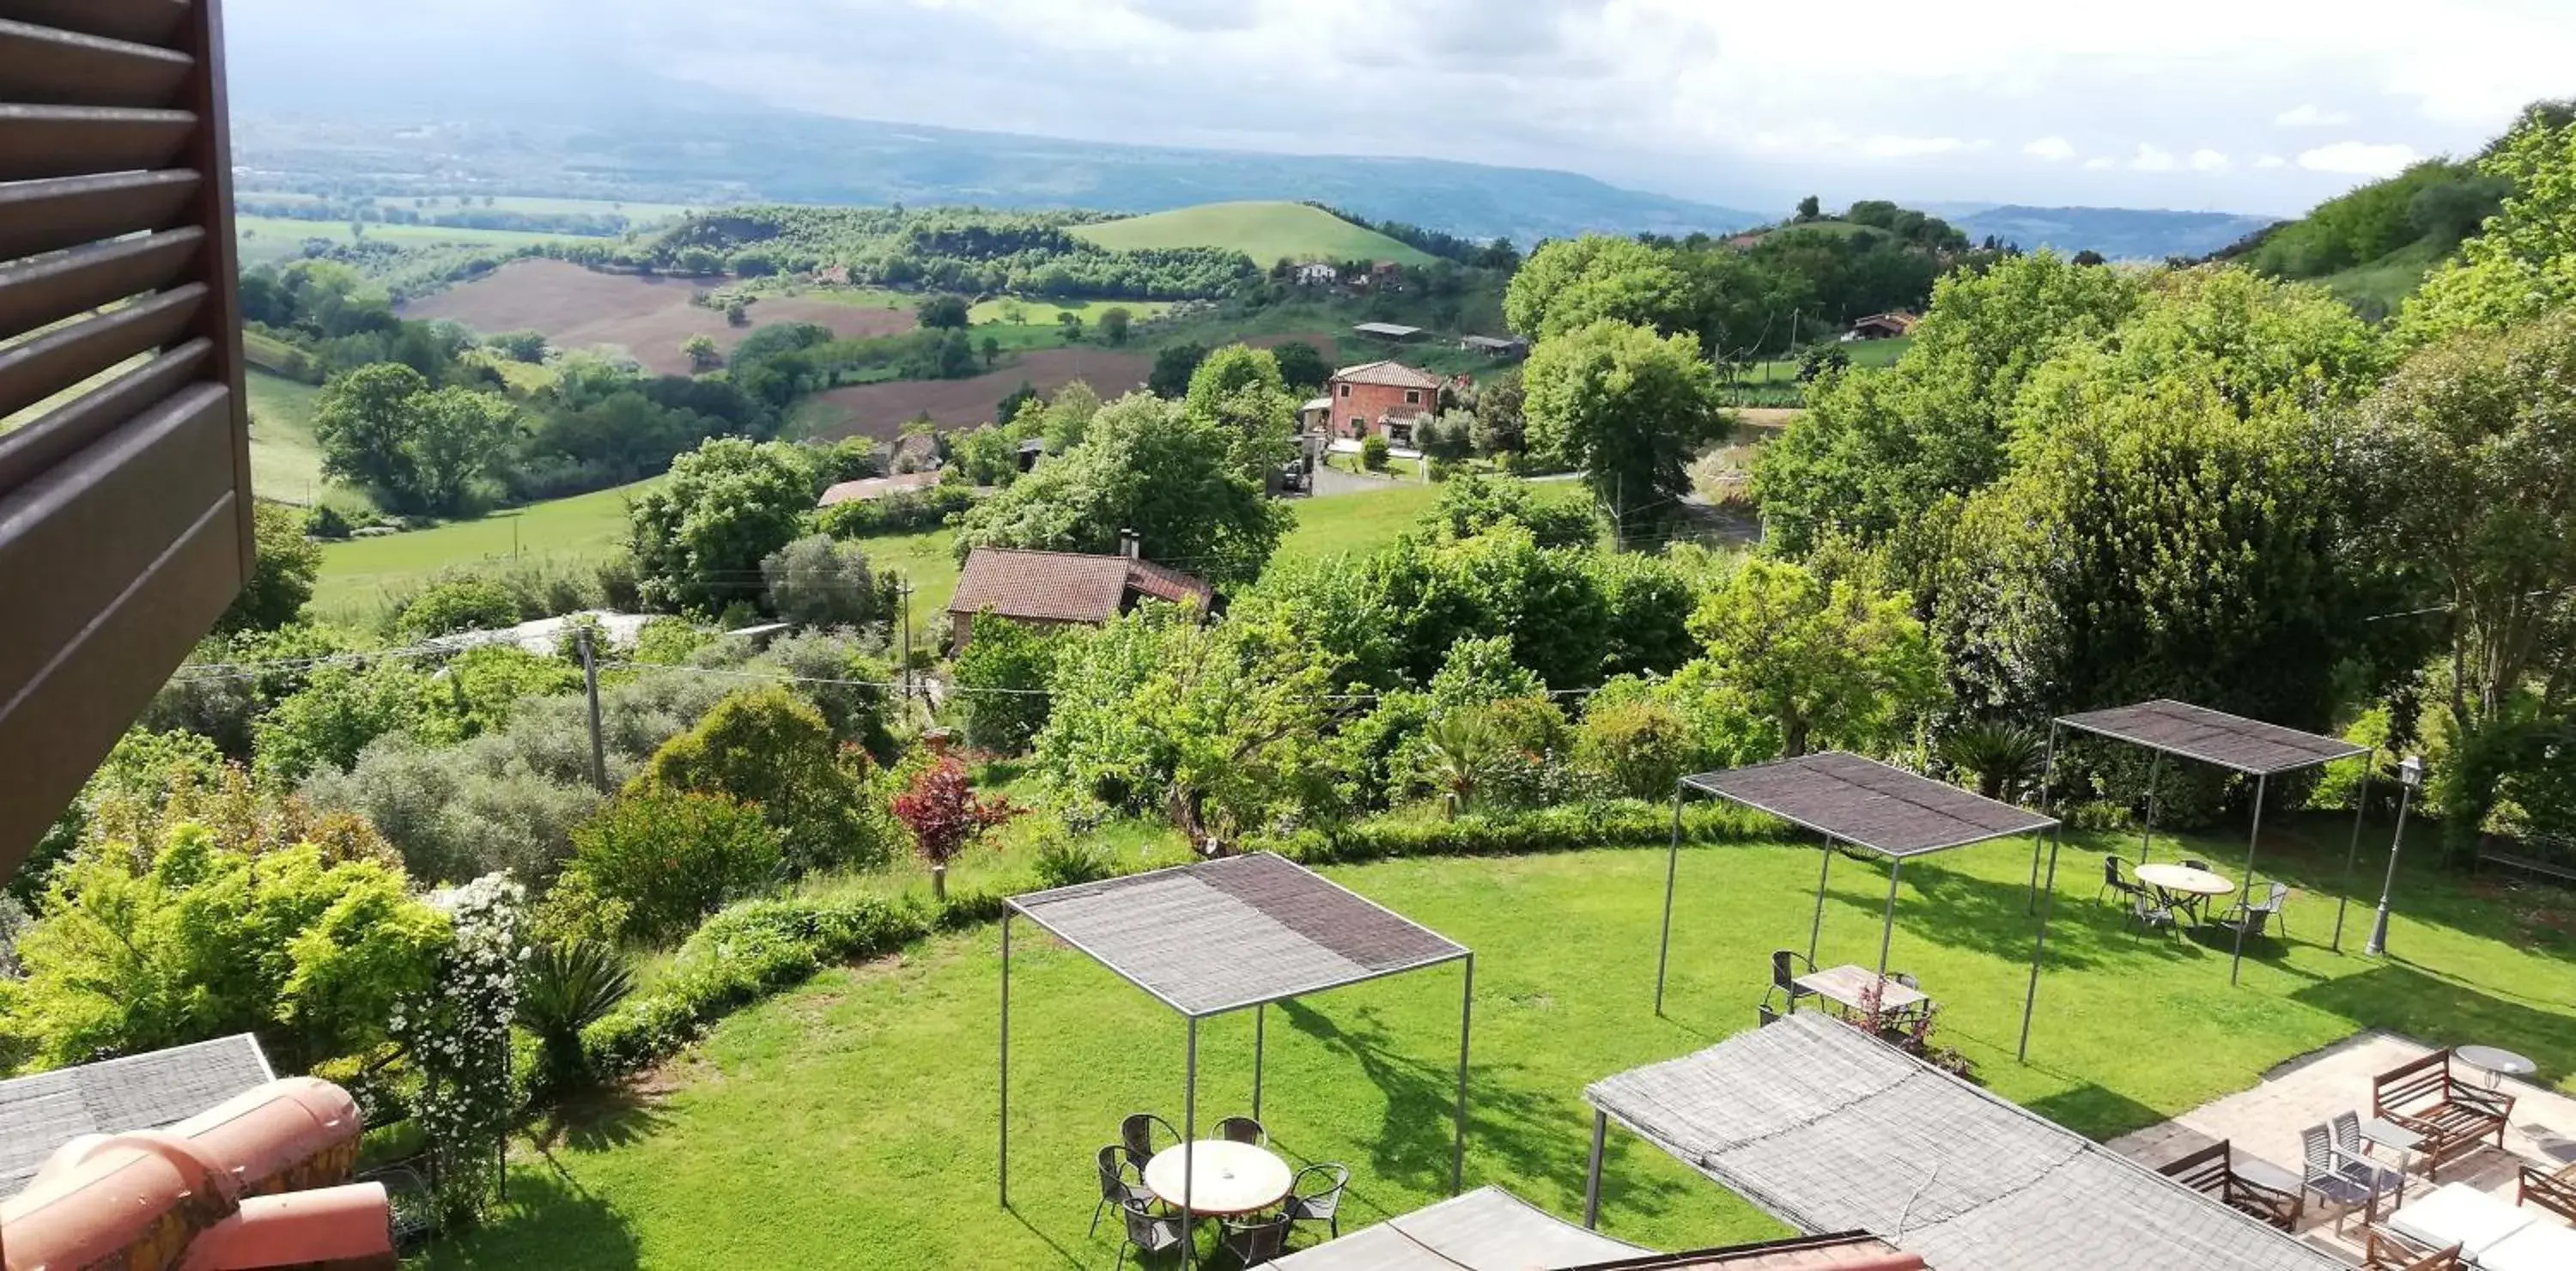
column 1268, row 232
column 360, row 576
column 268, row 238
column 2383, row 284
column 285, row 463
column 1044, row 312
column 851, row 1122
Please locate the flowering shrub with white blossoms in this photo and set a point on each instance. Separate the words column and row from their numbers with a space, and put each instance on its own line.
column 459, row 1036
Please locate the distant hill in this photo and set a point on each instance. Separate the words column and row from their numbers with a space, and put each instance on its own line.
column 2117, row 232
column 1268, row 232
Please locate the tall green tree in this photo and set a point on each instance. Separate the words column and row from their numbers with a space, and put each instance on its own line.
column 1631, row 409
column 1573, row 283
column 1830, row 663
column 363, row 420
column 1238, row 390
column 1114, row 325
column 699, row 538
column 2523, row 263
column 767, row 748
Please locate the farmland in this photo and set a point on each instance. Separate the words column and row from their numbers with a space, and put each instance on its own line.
column 265, row 239
column 880, row 410
column 285, row 463
column 1267, row 232
column 646, row 318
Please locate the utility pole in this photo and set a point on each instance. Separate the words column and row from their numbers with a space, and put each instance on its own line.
column 598, row 746
column 903, row 588
column 1618, row 511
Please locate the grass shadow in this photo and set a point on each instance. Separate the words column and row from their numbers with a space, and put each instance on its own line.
column 2097, row 1112
column 599, row 1119
column 547, row 1210
column 2442, row 1010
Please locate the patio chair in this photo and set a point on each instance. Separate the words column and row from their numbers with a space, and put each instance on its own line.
column 2202, row 866
column 2385, row 1250
column 2254, row 917
column 1122, row 1181
column 1257, row 1241
column 2555, row 1192
column 1136, row 1134
column 1309, row 1203
column 1765, row 1014
column 2213, row 1172
column 1243, row 1130
column 2344, row 1178
column 407, row 1196
column 2150, row 911
column 2116, row 883
column 1784, row 977
column 2454, row 1116
column 1148, row 1232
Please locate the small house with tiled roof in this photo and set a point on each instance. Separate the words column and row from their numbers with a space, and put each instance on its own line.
column 1884, row 326
column 1388, row 399
column 1061, row 589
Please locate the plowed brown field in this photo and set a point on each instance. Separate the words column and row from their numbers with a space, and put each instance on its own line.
column 647, row 318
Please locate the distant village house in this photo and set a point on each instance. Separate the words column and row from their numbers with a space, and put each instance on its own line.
column 1883, row 326
column 1387, row 399
column 1062, row 589
column 1317, row 274
column 1396, row 332
column 871, row 489
column 1495, row 346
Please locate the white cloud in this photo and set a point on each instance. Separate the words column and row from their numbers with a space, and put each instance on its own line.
column 2053, row 148
column 2208, row 161
column 2271, row 161
column 2311, row 116
column 2153, row 159
column 2357, row 158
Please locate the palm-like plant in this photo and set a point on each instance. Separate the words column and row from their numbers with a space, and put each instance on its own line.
column 1461, row 745
column 2002, row 757
column 565, row 989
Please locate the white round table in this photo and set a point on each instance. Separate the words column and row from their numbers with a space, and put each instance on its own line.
column 2185, row 879
column 2496, row 1062
column 1225, row 1177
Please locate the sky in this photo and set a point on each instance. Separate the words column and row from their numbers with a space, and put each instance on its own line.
column 2237, row 105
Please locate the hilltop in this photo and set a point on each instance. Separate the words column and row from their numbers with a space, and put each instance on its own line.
column 1268, row 232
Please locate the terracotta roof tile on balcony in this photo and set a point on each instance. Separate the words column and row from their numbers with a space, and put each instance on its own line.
column 1388, row 374
column 1066, row 586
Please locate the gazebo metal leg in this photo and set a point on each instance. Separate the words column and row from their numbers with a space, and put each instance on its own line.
column 2047, row 800
column 1817, row 927
column 2155, row 777
column 1887, row 928
column 1466, row 1012
column 1592, row 1177
column 2245, row 894
column 1260, row 1016
column 1189, row 1142
column 1005, row 1153
column 2352, row 854
column 1672, row 868
column 2039, row 950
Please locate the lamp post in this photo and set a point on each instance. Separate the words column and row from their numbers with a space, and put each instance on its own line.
column 2410, row 778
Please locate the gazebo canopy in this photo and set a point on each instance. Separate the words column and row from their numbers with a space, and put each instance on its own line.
column 1223, row 935
column 1828, row 1129
column 1488, row 1229
column 2249, row 746
column 1869, row 804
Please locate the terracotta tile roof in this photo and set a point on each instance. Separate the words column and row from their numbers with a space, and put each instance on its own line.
column 868, row 488
column 1389, row 374
column 1065, row 586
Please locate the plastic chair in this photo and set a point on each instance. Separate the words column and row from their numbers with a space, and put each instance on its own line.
column 1243, row 1130
column 1322, row 1205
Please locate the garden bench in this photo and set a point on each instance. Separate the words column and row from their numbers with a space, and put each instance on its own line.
column 2452, row 1115
column 2555, row 1192
column 2256, row 1189
column 2529, row 865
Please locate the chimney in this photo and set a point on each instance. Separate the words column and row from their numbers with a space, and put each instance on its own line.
column 1130, row 546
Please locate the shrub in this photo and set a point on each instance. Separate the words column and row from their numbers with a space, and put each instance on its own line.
column 462, row 811
column 817, row 582
column 1640, row 748
column 1002, row 678
column 855, row 705
column 565, row 988
column 464, row 604
column 1373, row 453
column 327, row 522
column 763, row 746
column 673, row 857
column 1064, row 860
column 903, row 512
column 1554, row 829
column 945, row 816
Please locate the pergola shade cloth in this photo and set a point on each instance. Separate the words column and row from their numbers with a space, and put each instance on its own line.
column 2249, row 746
column 1233, row 934
column 118, row 1096
column 1225, row 934
column 1488, row 1229
column 1829, row 1130
column 1870, row 805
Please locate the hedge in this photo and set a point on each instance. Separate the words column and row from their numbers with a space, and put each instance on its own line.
column 1620, row 823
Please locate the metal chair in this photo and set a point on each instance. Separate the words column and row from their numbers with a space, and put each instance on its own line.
column 1258, row 1241
column 1243, row 1130
column 1784, row 978
column 1136, row 1134
column 2344, row 1178
column 1765, row 1014
column 2275, row 903
column 2113, row 881
column 1122, row 1182
column 2202, row 866
column 2150, row 912
column 414, row 1211
column 1148, row 1232
column 1322, row 1205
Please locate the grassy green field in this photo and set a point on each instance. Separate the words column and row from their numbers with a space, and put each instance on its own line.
column 2380, row 286
column 1045, row 312
column 269, row 238
column 858, row 1112
column 1267, row 232
column 360, row 576
column 285, row 463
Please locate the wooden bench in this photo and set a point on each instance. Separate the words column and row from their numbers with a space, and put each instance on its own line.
column 2453, row 1115
column 2389, row 1252
column 2271, row 1195
column 2529, row 865
column 2555, row 1192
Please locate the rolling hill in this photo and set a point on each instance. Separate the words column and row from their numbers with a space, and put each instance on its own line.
column 1268, row 232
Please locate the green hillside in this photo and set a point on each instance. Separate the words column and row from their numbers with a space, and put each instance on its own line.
column 1267, row 232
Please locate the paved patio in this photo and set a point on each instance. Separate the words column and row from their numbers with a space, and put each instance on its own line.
column 2265, row 1122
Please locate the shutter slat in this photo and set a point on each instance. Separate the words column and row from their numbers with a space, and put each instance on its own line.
column 48, row 216
column 154, row 22
column 57, row 287
column 47, row 365
column 63, row 141
column 60, row 433
column 39, row 64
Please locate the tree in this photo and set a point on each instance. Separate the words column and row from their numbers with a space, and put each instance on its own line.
column 991, row 348
column 1238, row 391
column 943, row 313
column 458, row 438
column 1810, row 208
column 282, row 573
column 1173, row 368
column 1301, row 368
column 702, row 353
column 1501, row 422
column 1001, row 677
column 738, row 313
column 364, row 419
column 460, row 604
column 339, row 710
column 1113, row 326
column 1631, row 409
column 2523, row 263
column 945, row 817
column 665, row 859
column 1573, row 283
column 1007, row 410
column 766, row 748
column 1458, row 748
column 2088, row 256
column 1373, row 452
column 1068, row 416
column 520, row 346
column 699, row 538
column 1143, row 465
column 1069, row 325
column 818, row 581
column 1833, row 664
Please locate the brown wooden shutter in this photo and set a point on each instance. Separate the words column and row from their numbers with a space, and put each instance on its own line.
column 125, row 514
